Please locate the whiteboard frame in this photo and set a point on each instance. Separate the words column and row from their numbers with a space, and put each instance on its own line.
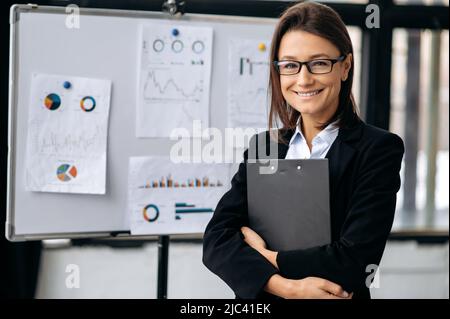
column 15, row 13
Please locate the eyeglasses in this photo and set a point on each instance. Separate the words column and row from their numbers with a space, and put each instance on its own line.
column 319, row 66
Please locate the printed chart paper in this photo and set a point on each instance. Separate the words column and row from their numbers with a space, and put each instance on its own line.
column 174, row 78
column 248, row 79
column 173, row 198
column 67, row 134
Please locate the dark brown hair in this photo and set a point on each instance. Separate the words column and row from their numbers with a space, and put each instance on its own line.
column 322, row 21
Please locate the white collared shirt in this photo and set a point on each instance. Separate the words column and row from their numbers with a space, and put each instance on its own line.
column 321, row 143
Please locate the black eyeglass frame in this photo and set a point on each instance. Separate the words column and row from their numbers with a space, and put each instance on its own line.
column 333, row 62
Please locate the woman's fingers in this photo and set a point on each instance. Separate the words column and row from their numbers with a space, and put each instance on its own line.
column 247, row 233
column 331, row 296
column 334, row 289
column 252, row 238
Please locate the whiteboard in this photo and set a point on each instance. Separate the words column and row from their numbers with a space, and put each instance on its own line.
column 112, row 36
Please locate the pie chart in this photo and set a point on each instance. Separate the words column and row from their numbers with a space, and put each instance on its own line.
column 66, row 172
column 52, row 101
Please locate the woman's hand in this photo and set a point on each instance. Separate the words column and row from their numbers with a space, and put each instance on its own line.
column 307, row 288
column 253, row 239
column 316, row 288
column 256, row 242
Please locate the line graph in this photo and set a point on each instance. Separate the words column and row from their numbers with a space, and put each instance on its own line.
column 159, row 85
column 248, row 108
column 73, row 143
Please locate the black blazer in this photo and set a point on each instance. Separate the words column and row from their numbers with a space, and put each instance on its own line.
column 364, row 179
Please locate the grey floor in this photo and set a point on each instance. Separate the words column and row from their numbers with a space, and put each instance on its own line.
column 407, row 270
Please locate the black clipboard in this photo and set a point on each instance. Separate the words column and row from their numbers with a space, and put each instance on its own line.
column 289, row 202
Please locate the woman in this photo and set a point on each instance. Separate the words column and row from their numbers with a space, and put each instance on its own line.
column 311, row 80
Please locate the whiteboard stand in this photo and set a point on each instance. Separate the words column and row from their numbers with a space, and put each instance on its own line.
column 163, row 265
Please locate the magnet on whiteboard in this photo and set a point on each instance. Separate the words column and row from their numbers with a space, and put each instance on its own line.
column 67, row 85
column 175, row 32
column 262, row 47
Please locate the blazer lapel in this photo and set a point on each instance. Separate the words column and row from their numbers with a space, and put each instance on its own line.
column 341, row 154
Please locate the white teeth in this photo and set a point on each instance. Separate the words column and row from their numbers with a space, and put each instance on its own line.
column 308, row 93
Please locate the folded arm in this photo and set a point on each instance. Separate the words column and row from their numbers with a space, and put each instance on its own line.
column 310, row 287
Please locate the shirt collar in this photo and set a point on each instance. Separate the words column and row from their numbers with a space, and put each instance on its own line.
column 328, row 134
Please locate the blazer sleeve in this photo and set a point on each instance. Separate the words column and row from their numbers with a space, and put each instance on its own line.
column 225, row 252
column 366, row 228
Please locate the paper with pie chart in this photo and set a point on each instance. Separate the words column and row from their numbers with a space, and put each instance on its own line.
column 173, row 198
column 248, row 78
column 67, row 134
column 174, row 77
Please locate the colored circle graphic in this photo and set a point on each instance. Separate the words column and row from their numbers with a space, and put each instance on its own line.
column 66, row 172
column 87, row 103
column 198, row 46
column 177, row 46
column 158, row 45
column 151, row 213
column 52, row 101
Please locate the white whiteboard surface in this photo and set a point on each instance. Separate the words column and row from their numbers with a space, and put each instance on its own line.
column 105, row 46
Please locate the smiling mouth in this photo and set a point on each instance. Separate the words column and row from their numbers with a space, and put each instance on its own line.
column 309, row 93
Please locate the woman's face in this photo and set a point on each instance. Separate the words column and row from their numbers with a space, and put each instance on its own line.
column 303, row 46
